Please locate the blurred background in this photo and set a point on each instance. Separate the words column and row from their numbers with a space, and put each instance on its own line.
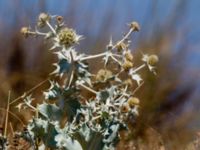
column 169, row 112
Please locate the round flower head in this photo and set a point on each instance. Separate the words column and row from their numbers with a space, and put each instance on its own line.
column 103, row 75
column 67, row 37
column 133, row 101
column 152, row 60
column 25, row 31
column 134, row 26
column 127, row 65
column 42, row 19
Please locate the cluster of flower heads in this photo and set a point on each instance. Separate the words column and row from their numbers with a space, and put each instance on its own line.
column 112, row 102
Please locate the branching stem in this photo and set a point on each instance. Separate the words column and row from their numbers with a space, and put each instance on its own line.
column 87, row 88
column 52, row 29
column 29, row 91
column 7, row 115
column 123, row 39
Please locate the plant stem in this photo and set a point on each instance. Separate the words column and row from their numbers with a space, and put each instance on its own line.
column 29, row 91
column 40, row 33
column 115, row 60
column 11, row 127
column 124, row 38
column 87, row 88
column 104, row 53
column 15, row 116
column 139, row 68
column 52, row 29
column 93, row 56
column 7, row 110
column 136, row 89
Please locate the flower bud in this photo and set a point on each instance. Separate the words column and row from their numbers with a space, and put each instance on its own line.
column 152, row 60
column 59, row 19
column 127, row 65
column 121, row 46
column 128, row 82
column 125, row 108
column 134, row 26
column 128, row 56
column 25, row 31
column 42, row 19
column 133, row 101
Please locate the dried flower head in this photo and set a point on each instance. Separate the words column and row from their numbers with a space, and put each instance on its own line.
column 152, row 60
column 125, row 108
column 128, row 82
column 128, row 56
column 25, row 31
column 133, row 101
column 59, row 19
column 42, row 19
column 127, row 65
column 134, row 26
column 67, row 37
column 121, row 46
column 103, row 75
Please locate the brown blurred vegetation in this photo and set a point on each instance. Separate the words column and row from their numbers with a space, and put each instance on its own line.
column 164, row 121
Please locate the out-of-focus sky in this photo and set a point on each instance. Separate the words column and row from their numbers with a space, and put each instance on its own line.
column 149, row 13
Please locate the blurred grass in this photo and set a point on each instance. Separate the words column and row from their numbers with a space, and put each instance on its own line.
column 166, row 113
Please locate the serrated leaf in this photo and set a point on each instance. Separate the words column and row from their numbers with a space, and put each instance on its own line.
column 83, row 73
column 103, row 96
column 51, row 111
column 111, row 133
column 64, row 66
column 53, row 92
column 43, row 129
column 71, row 106
column 66, row 142
column 89, row 139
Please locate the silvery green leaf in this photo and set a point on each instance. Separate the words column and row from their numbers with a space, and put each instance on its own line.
column 106, row 57
column 66, row 142
column 51, row 111
column 89, row 139
column 85, row 131
column 43, row 129
column 64, row 66
column 103, row 96
column 71, row 106
column 111, row 133
column 38, row 127
column 137, row 78
column 83, row 73
column 28, row 99
column 53, row 92
column 49, row 35
column 145, row 57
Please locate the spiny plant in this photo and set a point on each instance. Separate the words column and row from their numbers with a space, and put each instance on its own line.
column 68, row 118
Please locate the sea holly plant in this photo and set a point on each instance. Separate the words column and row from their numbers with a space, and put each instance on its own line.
column 70, row 119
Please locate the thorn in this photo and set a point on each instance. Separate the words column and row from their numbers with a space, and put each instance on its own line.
column 110, row 45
